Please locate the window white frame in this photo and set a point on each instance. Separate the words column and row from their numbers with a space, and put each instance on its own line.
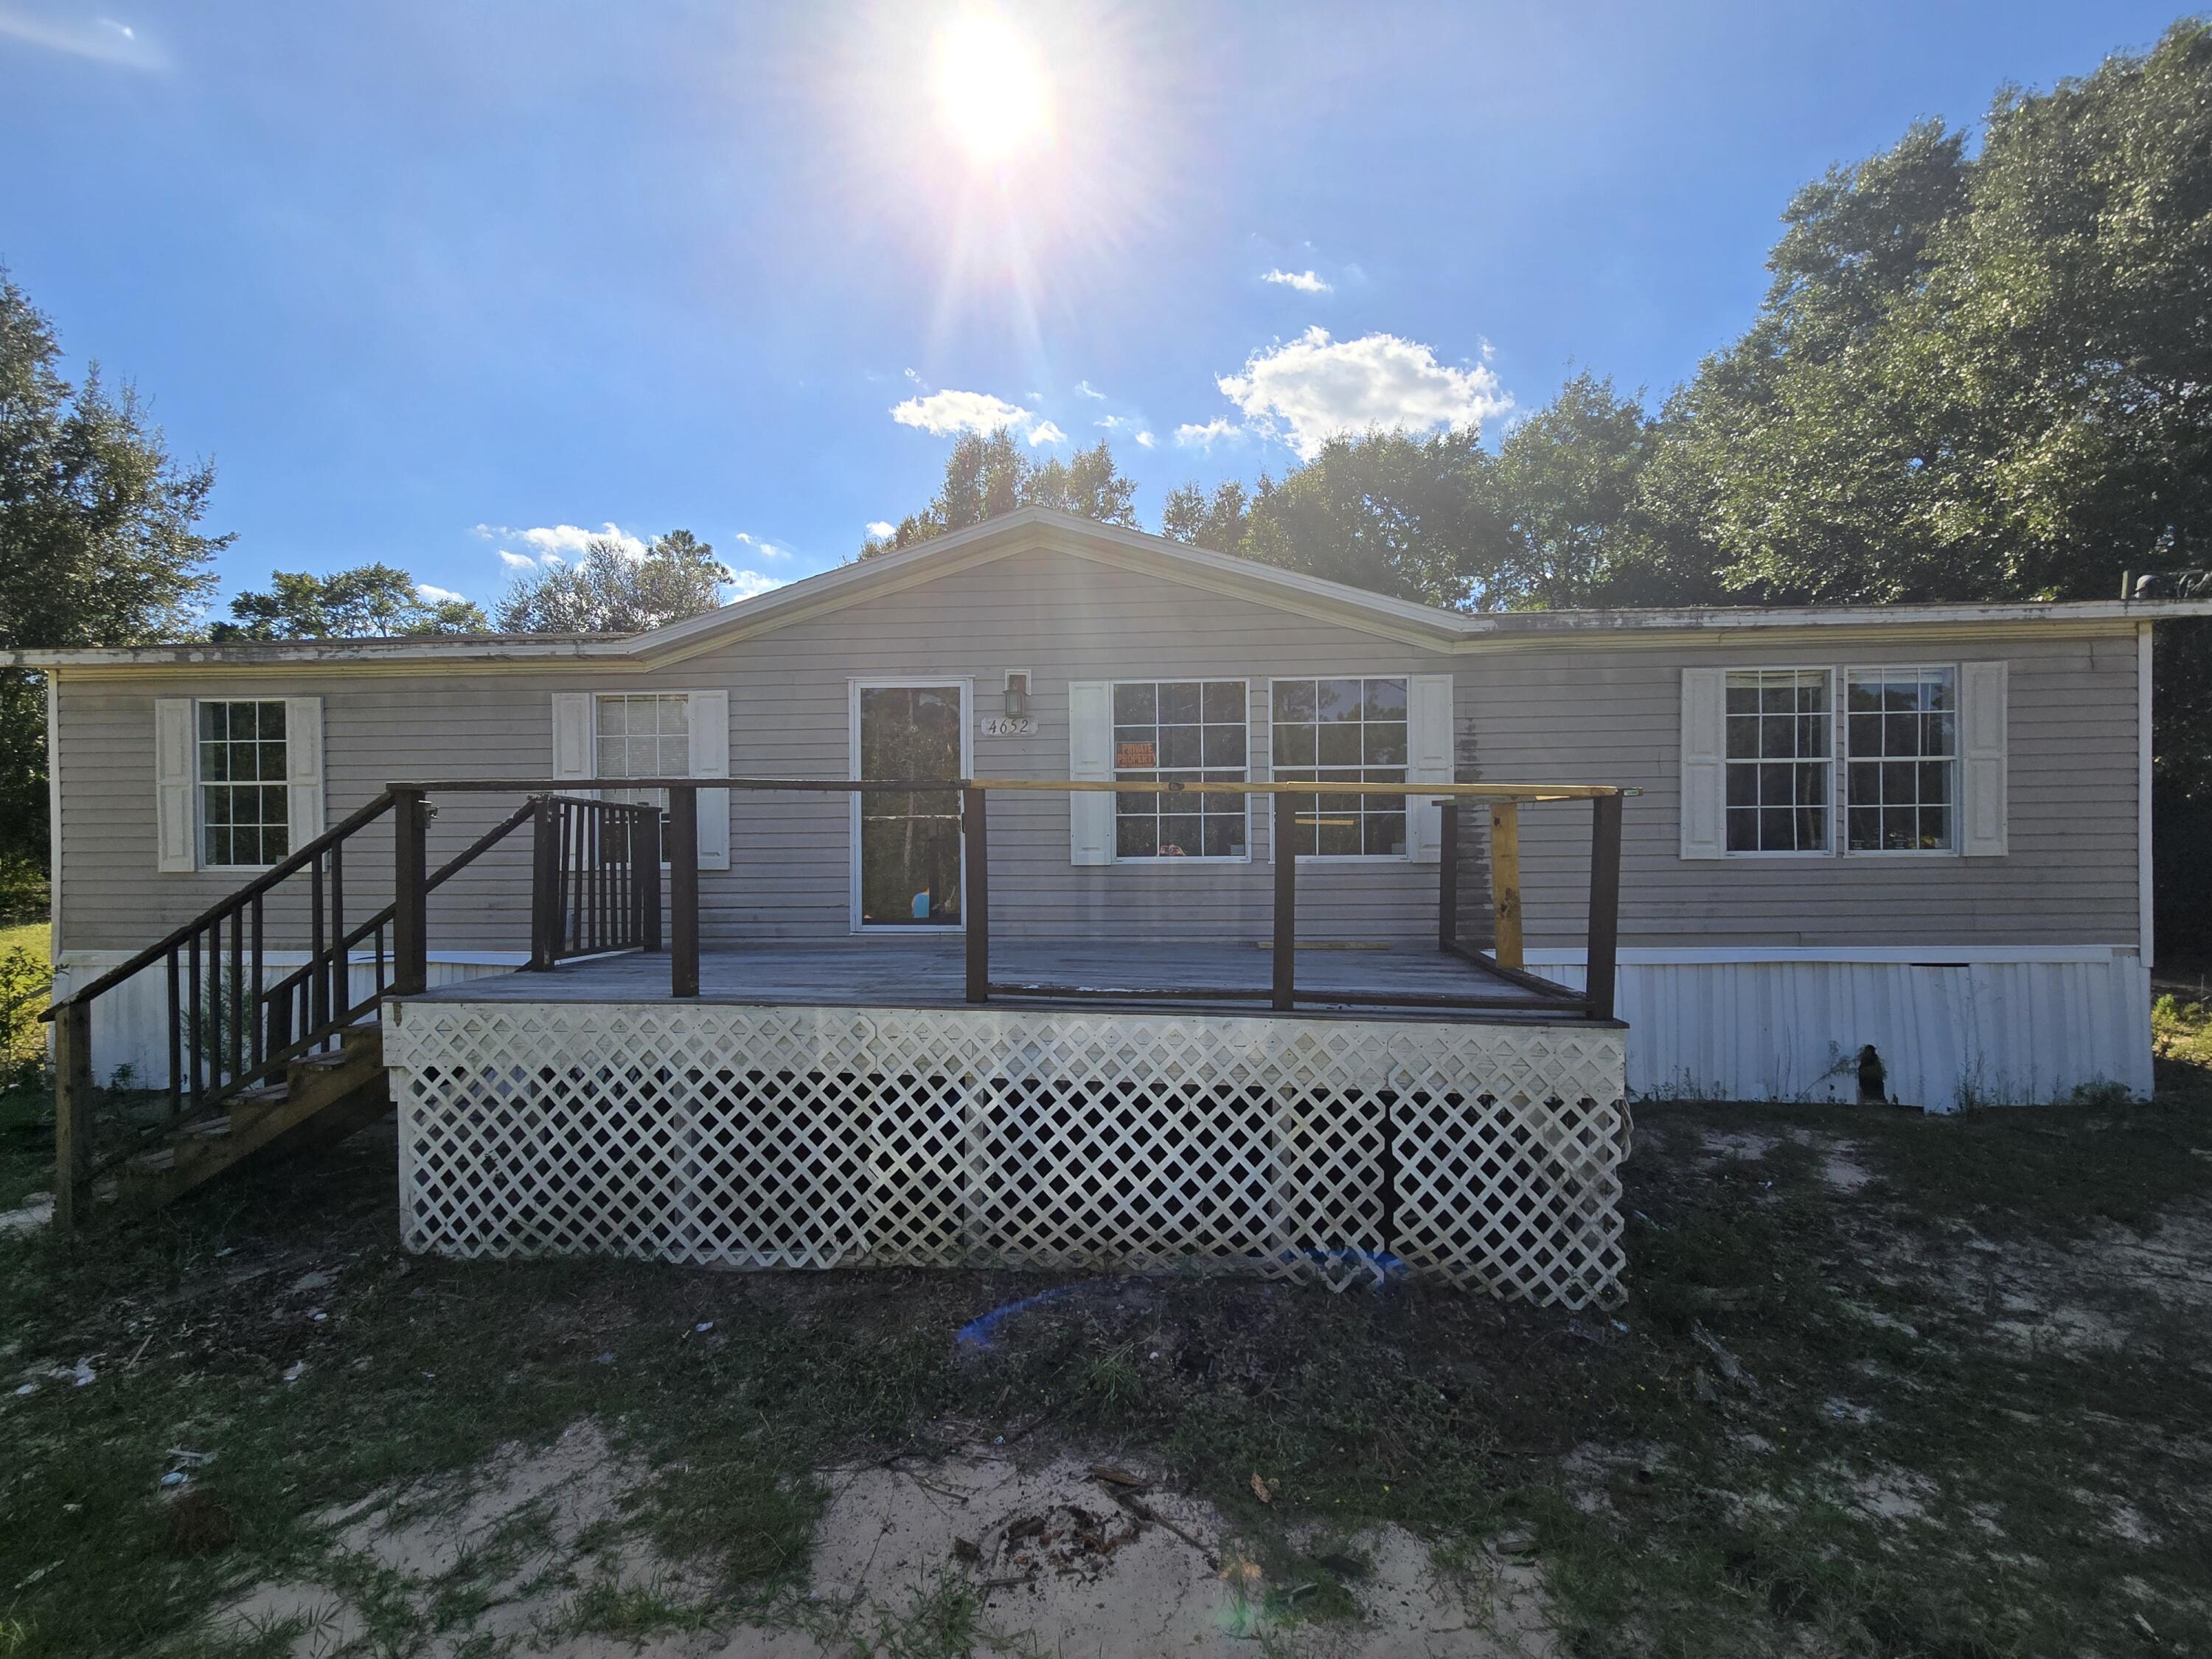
column 966, row 686
column 201, row 784
column 1274, row 773
column 1955, row 760
column 1244, row 694
column 1835, row 782
column 1839, row 759
column 615, row 786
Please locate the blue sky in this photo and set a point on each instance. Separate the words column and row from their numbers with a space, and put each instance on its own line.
column 444, row 285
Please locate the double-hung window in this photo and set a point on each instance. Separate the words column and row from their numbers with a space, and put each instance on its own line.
column 1778, row 728
column 1852, row 760
column 643, row 735
column 1344, row 731
column 1179, row 731
column 242, row 768
column 1900, row 760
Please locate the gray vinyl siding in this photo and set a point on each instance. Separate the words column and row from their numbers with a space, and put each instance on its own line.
column 1061, row 619
column 1576, row 713
column 1613, row 715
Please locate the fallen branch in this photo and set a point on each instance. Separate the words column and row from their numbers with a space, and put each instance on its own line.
column 1730, row 1367
column 1145, row 1511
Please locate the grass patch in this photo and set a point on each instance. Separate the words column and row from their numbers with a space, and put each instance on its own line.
column 1859, row 1488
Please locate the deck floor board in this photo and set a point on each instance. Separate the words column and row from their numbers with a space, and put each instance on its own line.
column 922, row 972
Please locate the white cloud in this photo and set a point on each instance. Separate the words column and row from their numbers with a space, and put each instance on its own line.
column 750, row 583
column 1090, row 390
column 517, row 561
column 1046, row 433
column 766, row 549
column 1304, row 281
column 1204, row 437
column 1312, row 388
column 880, row 528
column 568, row 541
column 1146, row 440
column 438, row 595
column 944, row 413
column 104, row 41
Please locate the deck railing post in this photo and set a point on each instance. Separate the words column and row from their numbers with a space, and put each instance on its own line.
column 976, row 895
column 72, row 1109
column 645, row 856
column 545, row 885
column 1505, row 884
column 683, row 891
column 1285, row 848
column 1604, row 903
column 1447, row 875
column 410, row 914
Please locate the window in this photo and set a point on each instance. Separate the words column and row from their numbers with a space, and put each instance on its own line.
column 243, row 801
column 1901, row 757
column 643, row 736
column 1349, row 731
column 1188, row 730
column 1778, row 759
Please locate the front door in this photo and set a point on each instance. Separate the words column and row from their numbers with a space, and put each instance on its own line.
column 906, row 864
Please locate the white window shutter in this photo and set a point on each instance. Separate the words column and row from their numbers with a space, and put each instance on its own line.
column 1429, row 759
column 710, row 758
column 1982, row 783
column 1090, row 760
column 573, row 736
column 1704, row 762
column 303, row 767
column 173, row 816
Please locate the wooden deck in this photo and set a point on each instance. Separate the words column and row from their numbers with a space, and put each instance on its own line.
column 1393, row 983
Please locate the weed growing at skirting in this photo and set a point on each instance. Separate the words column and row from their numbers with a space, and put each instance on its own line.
column 1883, row 1385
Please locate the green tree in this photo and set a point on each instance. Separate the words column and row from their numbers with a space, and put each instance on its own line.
column 986, row 475
column 368, row 601
column 1979, row 375
column 1399, row 512
column 611, row 590
column 1567, row 497
column 100, row 542
column 1214, row 521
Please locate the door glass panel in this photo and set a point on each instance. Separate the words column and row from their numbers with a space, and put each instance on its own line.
column 910, row 843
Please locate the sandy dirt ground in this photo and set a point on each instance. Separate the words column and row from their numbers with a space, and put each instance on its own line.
column 1062, row 1560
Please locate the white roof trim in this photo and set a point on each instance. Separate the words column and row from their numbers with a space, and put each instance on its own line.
column 1036, row 527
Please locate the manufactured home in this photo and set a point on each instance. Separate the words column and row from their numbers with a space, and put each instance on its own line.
column 1803, row 853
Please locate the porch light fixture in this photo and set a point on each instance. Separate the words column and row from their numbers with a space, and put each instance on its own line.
column 1017, row 693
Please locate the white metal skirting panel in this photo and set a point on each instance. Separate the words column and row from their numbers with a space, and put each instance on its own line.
column 1976, row 1033
column 825, row 1137
column 130, row 1026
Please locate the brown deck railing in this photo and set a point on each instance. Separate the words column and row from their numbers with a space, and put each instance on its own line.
column 630, row 921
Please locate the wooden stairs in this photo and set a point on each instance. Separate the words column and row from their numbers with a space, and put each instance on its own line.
column 322, row 1099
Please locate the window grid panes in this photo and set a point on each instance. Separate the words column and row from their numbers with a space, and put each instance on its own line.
column 1191, row 731
column 1900, row 749
column 245, row 806
column 1348, row 730
column 644, row 736
column 1780, row 754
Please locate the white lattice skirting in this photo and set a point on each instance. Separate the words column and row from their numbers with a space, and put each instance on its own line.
column 1332, row 1151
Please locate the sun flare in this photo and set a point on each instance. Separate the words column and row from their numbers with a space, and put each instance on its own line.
column 992, row 93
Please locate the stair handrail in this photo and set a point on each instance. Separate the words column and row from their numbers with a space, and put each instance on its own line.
column 264, row 1027
column 291, row 864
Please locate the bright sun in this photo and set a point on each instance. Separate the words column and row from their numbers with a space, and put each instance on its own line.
column 992, row 92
